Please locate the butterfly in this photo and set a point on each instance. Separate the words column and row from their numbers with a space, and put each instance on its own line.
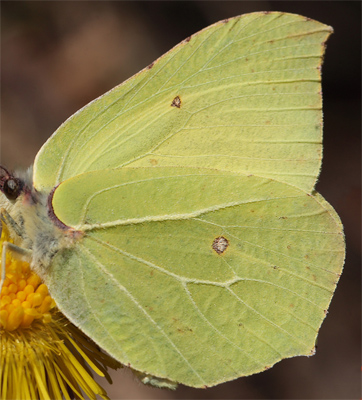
column 174, row 219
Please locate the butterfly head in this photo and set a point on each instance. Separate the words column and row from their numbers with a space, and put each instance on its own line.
column 10, row 185
column 14, row 186
column 15, row 192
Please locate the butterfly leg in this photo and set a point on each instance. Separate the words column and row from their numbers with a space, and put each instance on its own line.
column 154, row 381
column 7, row 219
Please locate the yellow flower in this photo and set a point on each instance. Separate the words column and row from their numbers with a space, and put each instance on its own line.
column 42, row 355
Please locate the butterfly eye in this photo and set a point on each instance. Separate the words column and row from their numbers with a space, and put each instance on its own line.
column 12, row 188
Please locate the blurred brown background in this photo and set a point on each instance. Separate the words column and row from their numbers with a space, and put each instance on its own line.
column 57, row 56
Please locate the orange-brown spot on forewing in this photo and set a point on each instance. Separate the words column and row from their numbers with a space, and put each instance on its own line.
column 176, row 102
column 220, row 244
column 184, row 330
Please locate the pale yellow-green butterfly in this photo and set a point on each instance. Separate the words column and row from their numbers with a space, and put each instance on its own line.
column 174, row 219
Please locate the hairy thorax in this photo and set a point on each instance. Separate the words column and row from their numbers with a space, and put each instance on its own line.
column 36, row 229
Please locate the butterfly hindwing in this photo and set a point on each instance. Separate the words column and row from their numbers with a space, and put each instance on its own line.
column 194, row 275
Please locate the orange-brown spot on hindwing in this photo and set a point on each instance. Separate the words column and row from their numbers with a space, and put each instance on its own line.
column 220, row 244
column 176, row 102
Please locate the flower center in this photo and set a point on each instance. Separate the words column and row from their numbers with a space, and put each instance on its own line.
column 23, row 297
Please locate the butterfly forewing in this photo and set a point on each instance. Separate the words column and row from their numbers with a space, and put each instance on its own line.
column 242, row 95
